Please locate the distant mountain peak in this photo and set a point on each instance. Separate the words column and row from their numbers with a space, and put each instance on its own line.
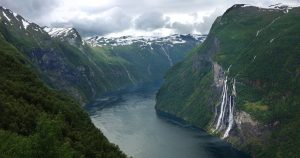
column 278, row 6
column 65, row 34
column 60, row 32
column 11, row 18
column 102, row 41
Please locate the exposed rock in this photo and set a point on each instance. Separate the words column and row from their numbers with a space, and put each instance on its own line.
column 218, row 74
column 243, row 118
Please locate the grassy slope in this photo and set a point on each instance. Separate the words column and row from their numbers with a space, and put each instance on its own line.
column 81, row 70
column 36, row 121
column 146, row 64
column 73, row 69
column 268, row 86
column 179, row 94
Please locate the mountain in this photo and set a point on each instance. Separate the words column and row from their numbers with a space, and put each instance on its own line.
column 242, row 84
column 46, row 73
column 144, row 41
column 148, row 58
column 36, row 121
column 79, row 67
column 69, row 35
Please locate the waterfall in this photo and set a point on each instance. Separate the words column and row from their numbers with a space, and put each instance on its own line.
column 224, row 94
column 231, row 110
column 225, row 119
column 168, row 56
column 130, row 77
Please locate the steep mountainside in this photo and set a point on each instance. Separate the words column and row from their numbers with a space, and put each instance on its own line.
column 36, row 121
column 69, row 35
column 148, row 58
column 68, row 63
column 243, row 82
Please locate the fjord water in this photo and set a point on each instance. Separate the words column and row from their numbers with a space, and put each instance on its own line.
column 129, row 120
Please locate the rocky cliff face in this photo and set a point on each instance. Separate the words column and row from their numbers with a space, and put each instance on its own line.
column 149, row 57
column 240, row 83
column 69, row 35
column 85, row 69
column 37, row 121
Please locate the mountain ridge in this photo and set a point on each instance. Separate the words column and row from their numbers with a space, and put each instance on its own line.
column 241, row 83
column 68, row 63
column 37, row 121
column 102, row 41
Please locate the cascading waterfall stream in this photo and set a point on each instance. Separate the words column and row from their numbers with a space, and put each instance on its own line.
column 231, row 110
column 130, row 77
column 224, row 94
column 168, row 56
column 225, row 119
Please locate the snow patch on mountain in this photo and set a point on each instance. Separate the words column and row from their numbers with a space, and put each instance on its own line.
column 57, row 32
column 6, row 16
column 143, row 41
column 278, row 6
column 25, row 23
column 69, row 35
column 14, row 19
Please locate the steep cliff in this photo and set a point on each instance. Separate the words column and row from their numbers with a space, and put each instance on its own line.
column 148, row 58
column 36, row 121
column 68, row 63
column 243, row 82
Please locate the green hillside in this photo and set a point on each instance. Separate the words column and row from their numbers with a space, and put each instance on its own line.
column 36, row 121
column 261, row 48
column 67, row 63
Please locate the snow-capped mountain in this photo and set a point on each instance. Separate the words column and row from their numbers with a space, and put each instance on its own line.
column 19, row 24
column 59, row 32
column 143, row 41
column 278, row 6
column 232, row 76
column 171, row 48
column 70, row 35
column 86, row 68
column 10, row 18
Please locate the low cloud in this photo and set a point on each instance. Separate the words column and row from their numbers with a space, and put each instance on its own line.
column 101, row 17
column 151, row 21
column 112, row 20
column 32, row 9
column 182, row 28
column 207, row 22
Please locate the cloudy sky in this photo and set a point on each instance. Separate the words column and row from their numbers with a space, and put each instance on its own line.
column 129, row 17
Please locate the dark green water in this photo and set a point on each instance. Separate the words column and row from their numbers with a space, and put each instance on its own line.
column 130, row 121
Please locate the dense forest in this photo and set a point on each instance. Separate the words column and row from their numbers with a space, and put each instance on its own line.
column 36, row 121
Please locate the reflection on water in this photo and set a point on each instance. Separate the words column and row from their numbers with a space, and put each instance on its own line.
column 130, row 121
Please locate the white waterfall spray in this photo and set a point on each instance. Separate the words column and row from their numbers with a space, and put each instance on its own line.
column 168, row 56
column 231, row 110
column 225, row 119
column 224, row 96
column 130, row 77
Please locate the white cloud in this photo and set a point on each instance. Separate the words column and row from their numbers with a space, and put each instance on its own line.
column 151, row 21
column 121, row 17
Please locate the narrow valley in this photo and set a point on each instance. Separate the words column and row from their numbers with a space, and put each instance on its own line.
column 129, row 120
column 149, row 79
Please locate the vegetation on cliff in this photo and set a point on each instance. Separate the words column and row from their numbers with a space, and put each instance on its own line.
column 36, row 121
column 262, row 48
